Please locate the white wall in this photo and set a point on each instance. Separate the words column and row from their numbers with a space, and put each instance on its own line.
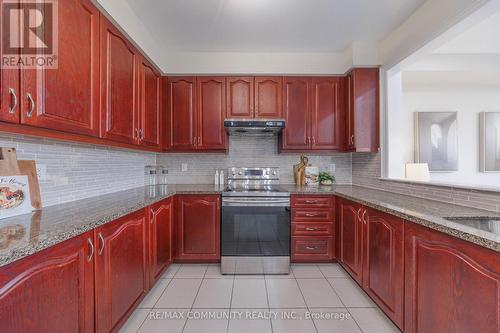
column 468, row 103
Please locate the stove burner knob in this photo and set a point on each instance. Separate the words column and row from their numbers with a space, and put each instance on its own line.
column 274, row 173
column 240, row 173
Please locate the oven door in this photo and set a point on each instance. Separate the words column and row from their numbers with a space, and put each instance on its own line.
column 255, row 227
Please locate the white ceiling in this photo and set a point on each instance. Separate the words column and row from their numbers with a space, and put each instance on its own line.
column 483, row 37
column 269, row 25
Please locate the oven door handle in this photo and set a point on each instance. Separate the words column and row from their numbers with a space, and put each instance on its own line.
column 253, row 203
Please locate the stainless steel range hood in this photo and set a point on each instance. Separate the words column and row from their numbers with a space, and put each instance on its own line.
column 254, row 127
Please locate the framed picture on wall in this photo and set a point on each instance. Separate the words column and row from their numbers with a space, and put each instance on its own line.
column 436, row 140
column 489, row 141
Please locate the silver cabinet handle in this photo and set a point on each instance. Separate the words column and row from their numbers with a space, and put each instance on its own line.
column 136, row 133
column 199, row 141
column 12, row 109
column 311, row 215
column 102, row 242
column 363, row 216
column 313, row 140
column 310, row 248
column 359, row 211
column 141, row 134
column 311, row 229
column 195, row 139
column 352, row 139
column 311, row 201
column 89, row 258
column 152, row 214
column 32, row 105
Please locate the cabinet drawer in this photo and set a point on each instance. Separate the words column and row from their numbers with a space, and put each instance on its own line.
column 312, row 248
column 301, row 201
column 312, row 229
column 312, row 215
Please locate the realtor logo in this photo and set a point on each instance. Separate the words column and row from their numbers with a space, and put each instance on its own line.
column 29, row 34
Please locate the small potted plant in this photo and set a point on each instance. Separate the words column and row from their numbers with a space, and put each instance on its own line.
column 325, row 178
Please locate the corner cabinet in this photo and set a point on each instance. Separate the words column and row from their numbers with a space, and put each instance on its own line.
column 160, row 222
column 451, row 285
column 362, row 110
column 121, row 269
column 50, row 291
column 149, row 115
column 198, row 228
column 371, row 251
column 314, row 114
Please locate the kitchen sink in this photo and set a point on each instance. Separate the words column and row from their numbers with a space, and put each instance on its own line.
column 490, row 224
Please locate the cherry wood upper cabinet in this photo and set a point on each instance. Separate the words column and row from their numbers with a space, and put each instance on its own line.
column 119, row 85
column 182, row 112
column 160, row 221
column 350, row 238
column 121, row 265
column 240, row 97
column 327, row 121
column 268, row 97
column 362, row 122
column 150, row 116
column 10, row 95
column 67, row 98
column 450, row 285
column 297, row 103
column 198, row 228
column 383, row 262
column 50, row 291
column 211, row 110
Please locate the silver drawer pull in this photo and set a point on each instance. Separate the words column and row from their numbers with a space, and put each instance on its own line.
column 311, row 201
column 310, row 248
column 311, row 215
column 311, row 229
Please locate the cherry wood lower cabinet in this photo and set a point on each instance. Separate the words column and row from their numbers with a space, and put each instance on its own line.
column 383, row 262
column 350, row 237
column 50, row 291
column 121, row 272
column 451, row 285
column 198, row 228
column 313, row 221
column 160, row 221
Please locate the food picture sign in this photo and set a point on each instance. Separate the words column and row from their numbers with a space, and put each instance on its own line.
column 14, row 196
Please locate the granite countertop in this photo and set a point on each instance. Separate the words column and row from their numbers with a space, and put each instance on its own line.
column 429, row 213
column 55, row 224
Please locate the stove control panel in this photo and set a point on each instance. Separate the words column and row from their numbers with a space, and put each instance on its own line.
column 254, row 173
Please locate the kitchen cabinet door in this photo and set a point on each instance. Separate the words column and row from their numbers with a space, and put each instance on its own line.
column 268, row 97
column 121, row 269
column 67, row 98
column 198, row 228
column 383, row 263
column 10, row 95
column 50, row 291
column 351, row 238
column 349, row 106
column 211, row 109
column 119, row 85
column 150, row 116
column 450, row 285
column 182, row 113
column 160, row 237
column 240, row 97
column 297, row 107
column 327, row 121
column 363, row 110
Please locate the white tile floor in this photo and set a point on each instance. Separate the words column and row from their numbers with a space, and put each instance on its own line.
column 312, row 299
